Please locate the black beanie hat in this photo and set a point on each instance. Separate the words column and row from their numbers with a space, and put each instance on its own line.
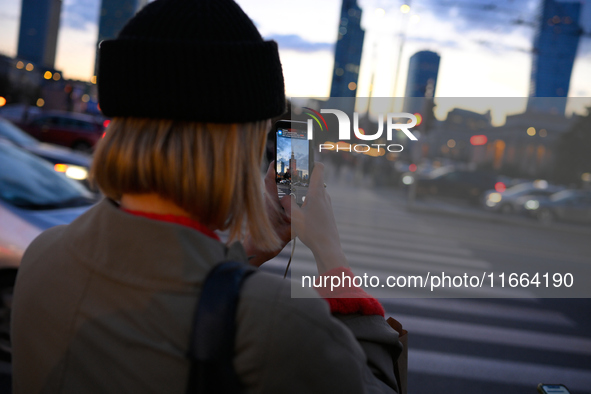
column 196, row 60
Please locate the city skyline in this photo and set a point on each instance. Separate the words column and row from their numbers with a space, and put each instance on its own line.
column 484, row 53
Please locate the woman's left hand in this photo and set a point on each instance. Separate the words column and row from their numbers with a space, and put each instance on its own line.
column 279, row 212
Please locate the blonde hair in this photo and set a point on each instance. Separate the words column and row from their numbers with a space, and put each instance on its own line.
column 210, row 170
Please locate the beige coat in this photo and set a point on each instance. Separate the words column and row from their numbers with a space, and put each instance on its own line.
column 105, row 305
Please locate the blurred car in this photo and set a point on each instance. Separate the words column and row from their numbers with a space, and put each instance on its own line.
column 421, row 171
column 396, row 170
column 77, row 131
column 567, row 205
column 19, row 113
column 74, row 164
column 510, row 200
column 33, row 198
column 468, row 185
column 509, row 181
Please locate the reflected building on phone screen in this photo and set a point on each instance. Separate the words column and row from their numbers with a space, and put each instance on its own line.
column 293, row 166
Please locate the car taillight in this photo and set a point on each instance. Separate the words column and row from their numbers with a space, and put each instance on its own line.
column 478, row 140
column 500, row 187
column 106, row 123
column 60, row 167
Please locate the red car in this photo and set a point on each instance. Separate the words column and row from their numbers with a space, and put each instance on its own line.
column 77, row 131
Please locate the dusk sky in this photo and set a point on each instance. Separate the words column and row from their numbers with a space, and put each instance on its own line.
column 484, row 52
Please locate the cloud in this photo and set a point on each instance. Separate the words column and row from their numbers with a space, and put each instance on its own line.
column 499, row 47
column 80, row 14
column 476, row 25
column 432, row 40
column 6, row 15
column 491, row 45
column 297, row 43
column 501, row 16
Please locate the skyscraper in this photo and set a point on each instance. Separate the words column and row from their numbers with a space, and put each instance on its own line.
column 114, row 15
column 421, row 79
column 555, row 48
column 293, row 167
column 347, row 57
column 40, row 22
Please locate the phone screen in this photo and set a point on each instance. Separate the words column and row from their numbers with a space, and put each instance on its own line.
column 293, row 159
column 553, row 389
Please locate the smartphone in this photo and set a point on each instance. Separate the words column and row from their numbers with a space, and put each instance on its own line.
column 294, row 159
column 544, row 388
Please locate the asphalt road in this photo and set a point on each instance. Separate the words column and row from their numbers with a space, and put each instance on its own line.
column 507, row 342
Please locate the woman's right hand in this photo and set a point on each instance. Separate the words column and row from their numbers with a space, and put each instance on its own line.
column 314, row 224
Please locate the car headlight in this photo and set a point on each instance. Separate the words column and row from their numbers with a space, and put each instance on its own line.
column 408, row 180
column 493, row 199
column 75, row 172
column 532, row 205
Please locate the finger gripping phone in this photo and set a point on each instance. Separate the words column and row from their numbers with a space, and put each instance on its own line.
column 293, row 159
column 544, row 388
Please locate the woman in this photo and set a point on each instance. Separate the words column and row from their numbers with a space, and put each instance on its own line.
column 106, row 303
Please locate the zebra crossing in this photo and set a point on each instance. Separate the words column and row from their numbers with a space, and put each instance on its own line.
column 382, row 239
column 455, row 344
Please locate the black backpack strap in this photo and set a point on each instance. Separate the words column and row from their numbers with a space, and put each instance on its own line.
column 211, row 348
